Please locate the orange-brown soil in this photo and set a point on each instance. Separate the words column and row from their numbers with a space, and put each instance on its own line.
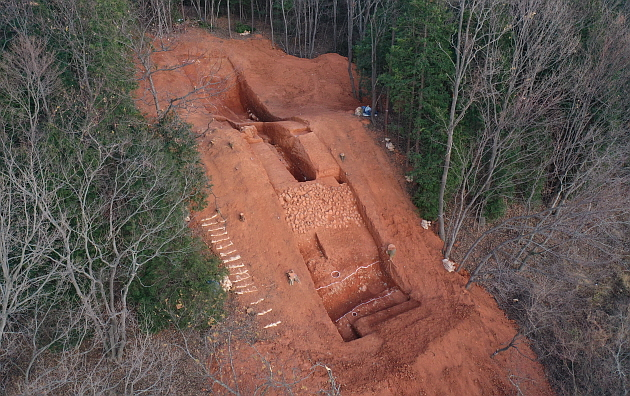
column 302, row 184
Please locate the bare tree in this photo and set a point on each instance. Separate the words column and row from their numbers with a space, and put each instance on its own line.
column 213, row 357
column 469, row 42
column 380, row 21
column 596, row 110
column 148, row 366
column 86, row 204
column 518, row 102
column 588, row 228
column 164, row 102
column 28, row 82
column 555, row 107
column 84, row 239
column 558, row 265
column 28, row 79
column 27, row 278
column 351, row 5
column 158, row 15
column 74, row 219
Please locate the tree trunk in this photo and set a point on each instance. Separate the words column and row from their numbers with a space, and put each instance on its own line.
column 230, row 18
column 350, row 31
column 286, row 27
column 334, row 25
column 373, row 77
column 273, row 45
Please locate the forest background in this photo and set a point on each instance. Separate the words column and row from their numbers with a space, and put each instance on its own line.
column 512, row 118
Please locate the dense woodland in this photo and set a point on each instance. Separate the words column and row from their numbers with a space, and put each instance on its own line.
column 513, row 118
column 95, row 252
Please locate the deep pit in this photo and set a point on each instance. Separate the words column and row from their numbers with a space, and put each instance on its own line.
column 342, row 256
column 336, row 240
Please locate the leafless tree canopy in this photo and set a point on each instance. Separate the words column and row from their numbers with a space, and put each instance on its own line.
column 90, row 198
column 553, row 147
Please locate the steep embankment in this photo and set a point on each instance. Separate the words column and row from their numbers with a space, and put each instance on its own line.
column 302, row 185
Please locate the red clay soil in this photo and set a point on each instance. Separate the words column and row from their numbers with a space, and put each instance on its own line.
column 303, row 185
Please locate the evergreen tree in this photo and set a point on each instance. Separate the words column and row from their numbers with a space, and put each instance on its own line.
column 418, row 80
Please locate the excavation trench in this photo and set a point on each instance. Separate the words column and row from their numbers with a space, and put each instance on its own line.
column 329, row 220
column 341, row 249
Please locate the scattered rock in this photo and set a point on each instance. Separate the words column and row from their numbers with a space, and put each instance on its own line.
column 226, row 284
column 448, row 265
column 314, row 205
column 391, row 250
column 292, row 277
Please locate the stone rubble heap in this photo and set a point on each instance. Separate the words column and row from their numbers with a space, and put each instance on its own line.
column 315, row 205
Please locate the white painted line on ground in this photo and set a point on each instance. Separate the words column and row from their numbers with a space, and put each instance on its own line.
column 272, row 324
column 257, row 301
column 250, row 290
column 224, row 246
column 355, row 271
column 215, row 221
column 236, row 266
column 240, row 278
column 211, row 217
column 234, row 258
column 363, row 303
column 264, row 312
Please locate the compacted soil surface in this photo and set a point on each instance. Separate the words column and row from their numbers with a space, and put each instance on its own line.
column 306, row 205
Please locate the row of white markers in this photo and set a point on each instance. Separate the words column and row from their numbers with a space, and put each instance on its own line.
column 239, row 280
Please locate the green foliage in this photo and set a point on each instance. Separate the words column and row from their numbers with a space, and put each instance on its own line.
column 240, row 27
column 181, row 149
column 90, row 38
column 205, row 25
column 426, row 173
column 495, row 208
column 363, row 58
column 419, row 89
column 115, row 190
column 183, row 290
column 419, row 66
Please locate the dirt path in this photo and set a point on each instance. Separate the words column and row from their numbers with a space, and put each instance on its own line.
column 302, row 185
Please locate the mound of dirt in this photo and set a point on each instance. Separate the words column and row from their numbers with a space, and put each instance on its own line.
column 302, row 185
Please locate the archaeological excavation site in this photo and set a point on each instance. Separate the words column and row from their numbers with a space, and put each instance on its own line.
column 341, row 250
column 323, row 246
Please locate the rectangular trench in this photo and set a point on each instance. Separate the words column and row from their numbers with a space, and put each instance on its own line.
column 336, row 239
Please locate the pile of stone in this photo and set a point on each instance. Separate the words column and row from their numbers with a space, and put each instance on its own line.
column 310, row 206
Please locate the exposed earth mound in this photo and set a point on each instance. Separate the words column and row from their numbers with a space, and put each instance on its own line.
column 302, row 185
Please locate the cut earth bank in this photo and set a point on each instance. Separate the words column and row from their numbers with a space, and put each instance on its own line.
column 302, row 185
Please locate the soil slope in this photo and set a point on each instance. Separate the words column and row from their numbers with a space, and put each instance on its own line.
column 302, row 185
